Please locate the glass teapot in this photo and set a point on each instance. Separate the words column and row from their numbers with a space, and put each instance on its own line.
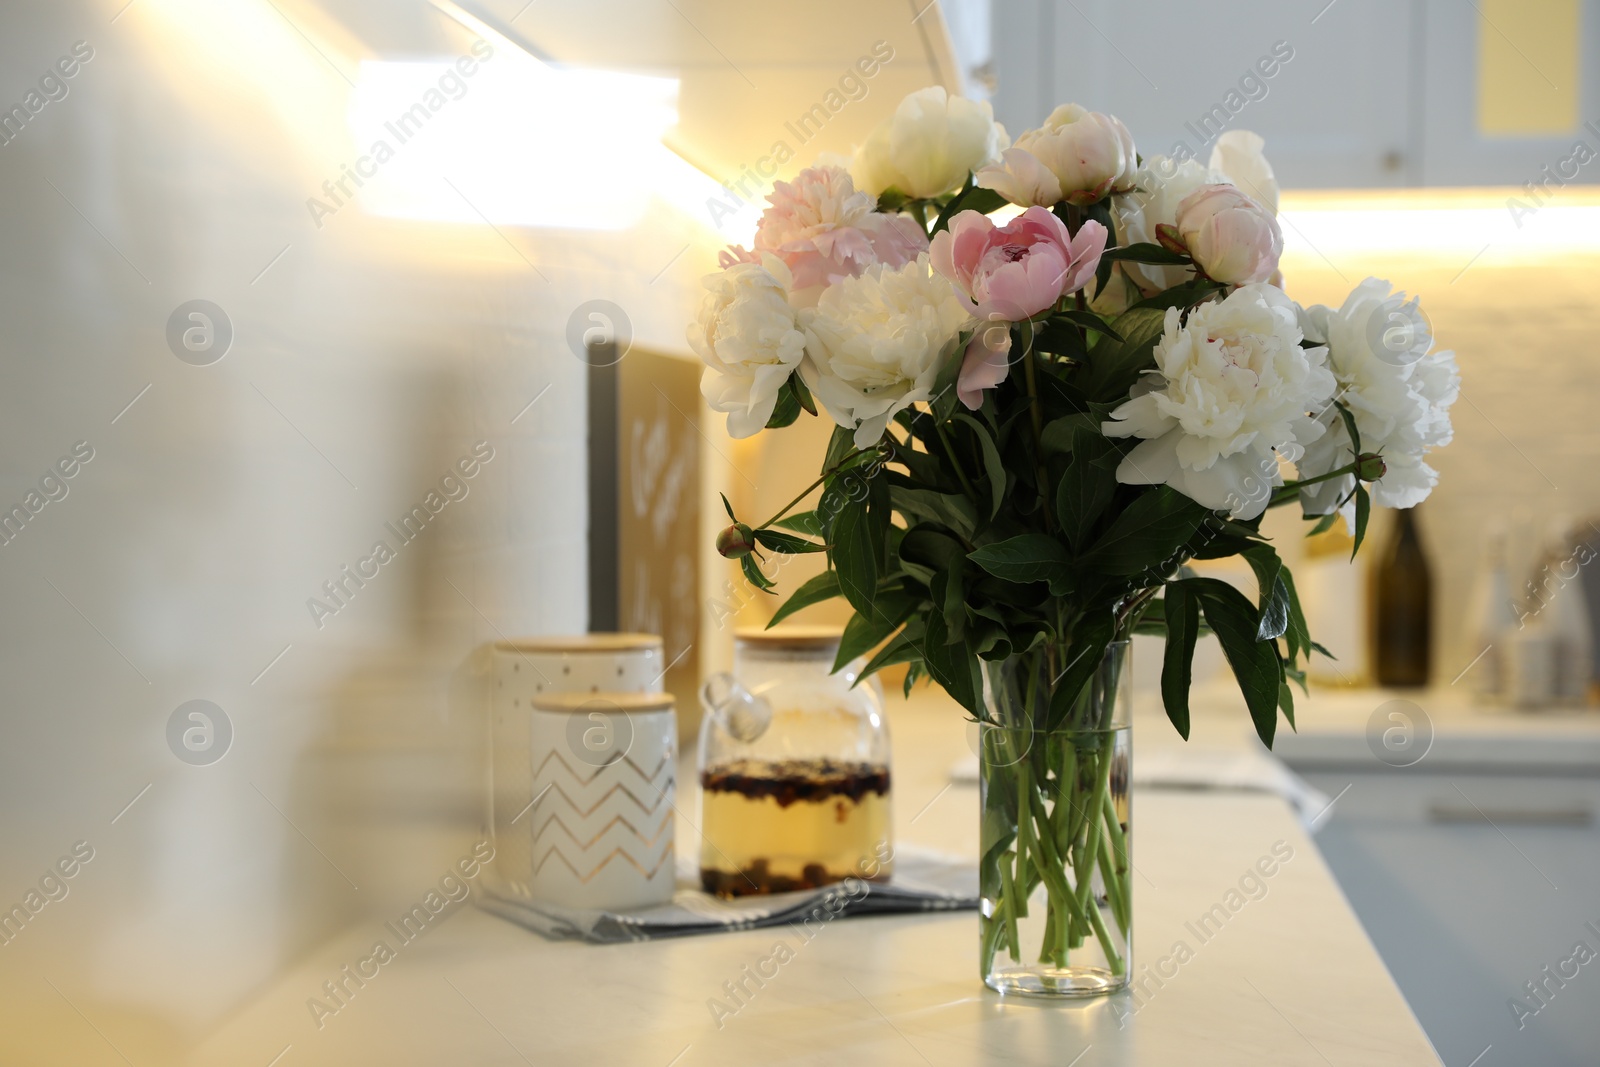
column 794, row 768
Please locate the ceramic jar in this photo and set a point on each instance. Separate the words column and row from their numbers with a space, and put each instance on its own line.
column 527, row 746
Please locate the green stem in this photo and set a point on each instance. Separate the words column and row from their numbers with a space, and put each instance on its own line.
column 1113, row 892
column 961, row 474
column 1106, row 943
column 1012, row 905
column 824, row 476
column 1038, row 434
column 1290, row 490
column 1052, row 869
column 1102, row 780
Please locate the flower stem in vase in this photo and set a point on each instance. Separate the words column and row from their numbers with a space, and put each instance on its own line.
column 1056, row 861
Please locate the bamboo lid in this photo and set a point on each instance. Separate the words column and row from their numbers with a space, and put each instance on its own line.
column 572, row 703
column 789, row 638
column 590, row 644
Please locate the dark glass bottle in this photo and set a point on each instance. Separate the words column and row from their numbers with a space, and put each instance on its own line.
column 1402, row 607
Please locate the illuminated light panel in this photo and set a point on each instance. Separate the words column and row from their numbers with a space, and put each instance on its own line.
column 1445, row 221
column 526, row 144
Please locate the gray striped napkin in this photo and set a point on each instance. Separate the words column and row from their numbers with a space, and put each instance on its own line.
column 922, row 881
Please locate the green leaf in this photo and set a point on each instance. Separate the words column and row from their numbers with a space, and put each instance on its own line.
column 1146, row 252
column 1274, row 600
column 1090, row 320
column 1286, row 702
column 727, row 507
column 1088, row 648
column 925, row 552
column 892, row 199
column 1147, row 533
column 913, row 673
column 993, row 468
column 1182, row 613
column 1255, row 663
column 952, row 666
column 752, row 572
column 930, row 548
column 1298, row 633
column 787, row 409
column 905, row 647
column 947, row 592
column 788, row 544
column 805, row 522
column 953, row 511
column 880, row 517
column 803, row 394
column 840, row 445
column 1274, row 613
column 854, row 555
column 944, row 385
column 824, row 586
column 865, row 632
column 1029, row 557
column 1324, row 524
column 1087, row 486
column 1115, row 365
column 970, row 198
column 1350, row 428
column 1186, row 295
column 1363, row 513
column 1057, row 436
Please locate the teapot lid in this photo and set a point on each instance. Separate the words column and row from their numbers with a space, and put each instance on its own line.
column 790, row 638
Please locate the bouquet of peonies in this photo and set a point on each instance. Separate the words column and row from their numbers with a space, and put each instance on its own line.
column 1059, row 372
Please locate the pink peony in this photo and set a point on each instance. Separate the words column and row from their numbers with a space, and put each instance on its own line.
column 1231, row 237
column 736, row 254
column 1018, row 270
column 824, row 229
column 986, row 362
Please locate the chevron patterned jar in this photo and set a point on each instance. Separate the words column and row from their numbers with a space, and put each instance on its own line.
column 600, row 828
column 522, row 758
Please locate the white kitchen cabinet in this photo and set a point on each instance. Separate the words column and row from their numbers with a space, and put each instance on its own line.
column 1452, row 149
column 1375, row 92
column 1471, row 880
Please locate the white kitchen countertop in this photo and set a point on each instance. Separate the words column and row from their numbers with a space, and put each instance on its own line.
column 1289, row 979
column 1341, row 726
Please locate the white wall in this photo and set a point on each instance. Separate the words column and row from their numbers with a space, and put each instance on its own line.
column 366, row 361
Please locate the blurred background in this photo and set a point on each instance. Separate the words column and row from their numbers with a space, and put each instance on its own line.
column 272, row 269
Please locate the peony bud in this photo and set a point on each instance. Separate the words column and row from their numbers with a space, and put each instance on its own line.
column 736, row 541
column 1370, row 467
column 1232, row 238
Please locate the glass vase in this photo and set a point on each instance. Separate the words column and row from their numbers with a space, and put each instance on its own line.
column 1056, row 868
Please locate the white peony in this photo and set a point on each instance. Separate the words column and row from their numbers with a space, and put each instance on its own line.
column 873, row 344
column 1398, row 391
column 1237, row 156
column 1159, row 187
column 929, row 145
column 1230, row 393
column 747, row 335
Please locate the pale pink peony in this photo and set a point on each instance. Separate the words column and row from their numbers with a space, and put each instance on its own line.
column 986, row 362
column 824, row 229
column 1018, row 270
column 1233, row 239
column 736, row 254
column 1077, row 155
